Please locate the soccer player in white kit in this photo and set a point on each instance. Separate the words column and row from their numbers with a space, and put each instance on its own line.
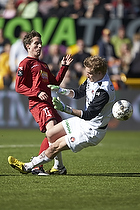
column 88, row 127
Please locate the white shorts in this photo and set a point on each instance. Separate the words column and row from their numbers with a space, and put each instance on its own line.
column 80, row 134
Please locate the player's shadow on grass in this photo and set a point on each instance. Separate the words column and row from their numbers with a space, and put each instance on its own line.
column 10, row 175
column 109, row 174
column 97, row 174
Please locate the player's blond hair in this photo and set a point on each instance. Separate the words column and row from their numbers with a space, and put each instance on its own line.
column 96, row 64
column 28, row 37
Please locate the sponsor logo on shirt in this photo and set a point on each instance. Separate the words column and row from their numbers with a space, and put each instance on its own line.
column 44, row 75
column 72, row 139
column 68, row 126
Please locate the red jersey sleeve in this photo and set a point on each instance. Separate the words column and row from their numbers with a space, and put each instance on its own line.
column 61, row 74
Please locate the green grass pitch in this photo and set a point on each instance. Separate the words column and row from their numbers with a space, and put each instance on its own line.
column 105, row 177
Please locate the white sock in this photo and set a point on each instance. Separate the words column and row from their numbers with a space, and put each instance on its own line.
column 58, row 163
column 37, row 161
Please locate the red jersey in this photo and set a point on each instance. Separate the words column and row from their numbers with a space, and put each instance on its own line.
column 33, row 76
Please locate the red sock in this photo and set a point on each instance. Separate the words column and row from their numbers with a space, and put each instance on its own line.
column 44, row 146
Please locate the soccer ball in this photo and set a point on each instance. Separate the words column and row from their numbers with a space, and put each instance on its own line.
column 122, row 110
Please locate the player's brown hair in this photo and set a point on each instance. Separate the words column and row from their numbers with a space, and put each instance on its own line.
column 28, row 37
column 96, row 64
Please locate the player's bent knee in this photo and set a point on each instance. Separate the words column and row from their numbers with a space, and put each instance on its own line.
column 48, row 134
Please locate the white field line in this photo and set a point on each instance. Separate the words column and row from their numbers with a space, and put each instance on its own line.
column 19, row 145
column 26, row 145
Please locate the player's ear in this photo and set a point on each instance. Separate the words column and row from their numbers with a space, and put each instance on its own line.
column 28, row 46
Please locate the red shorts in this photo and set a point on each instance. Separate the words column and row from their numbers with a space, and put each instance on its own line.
column 43, row 113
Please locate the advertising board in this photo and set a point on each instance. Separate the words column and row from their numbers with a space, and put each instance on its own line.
column 14, row 111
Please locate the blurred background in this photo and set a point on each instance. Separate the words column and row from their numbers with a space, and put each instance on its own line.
column 109, row 28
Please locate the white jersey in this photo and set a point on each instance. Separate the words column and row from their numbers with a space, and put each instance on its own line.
column 100, row 97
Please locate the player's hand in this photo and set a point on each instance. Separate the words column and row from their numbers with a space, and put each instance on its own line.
column 59, row 105
column 58, row 89
column 67, row 60
column 43, row 96
column 54, row 87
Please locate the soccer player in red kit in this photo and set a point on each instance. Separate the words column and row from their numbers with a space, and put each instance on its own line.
column 32, row 80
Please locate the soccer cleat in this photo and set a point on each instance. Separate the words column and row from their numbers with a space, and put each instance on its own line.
column 16, row 164
column 39, row 171
column 53, row 171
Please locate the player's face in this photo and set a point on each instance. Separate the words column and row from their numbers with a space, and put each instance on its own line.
column 93, row 77
column 34, row 49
